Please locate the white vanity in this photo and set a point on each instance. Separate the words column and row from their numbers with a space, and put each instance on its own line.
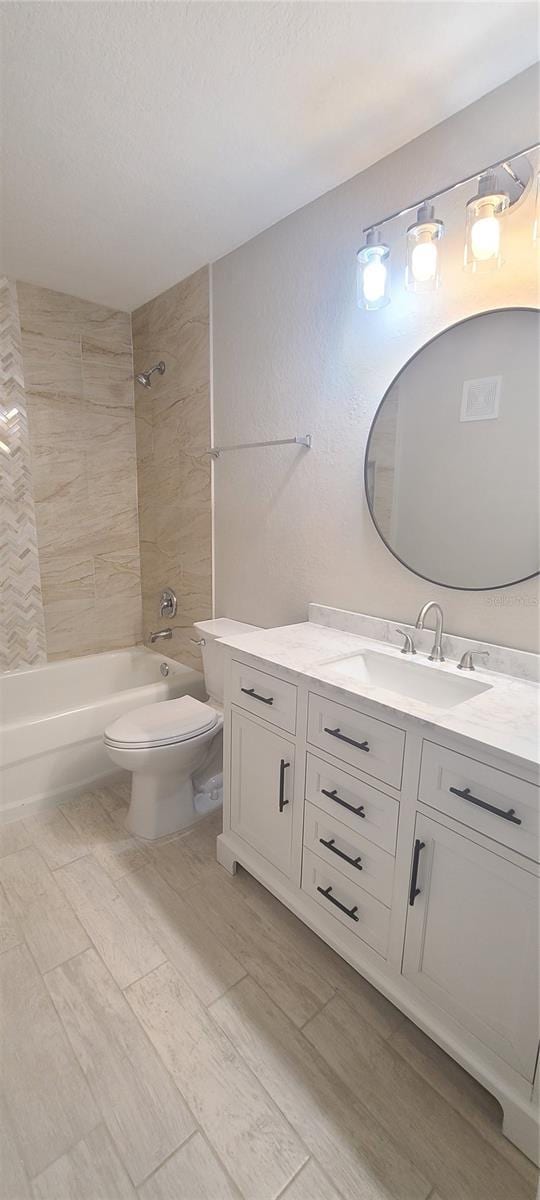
column 392, row 803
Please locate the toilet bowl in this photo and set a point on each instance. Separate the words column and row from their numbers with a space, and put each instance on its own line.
column 163, row 744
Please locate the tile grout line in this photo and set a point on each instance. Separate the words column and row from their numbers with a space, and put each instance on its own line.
column 340, row 1087
column 273, row 1103
column 153, row 1050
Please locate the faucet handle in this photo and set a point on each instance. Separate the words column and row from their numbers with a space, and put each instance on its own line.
column 167, row 603
column 409, row 646
column 466, row 661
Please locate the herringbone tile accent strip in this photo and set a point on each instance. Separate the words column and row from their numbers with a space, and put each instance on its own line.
column 22, row 629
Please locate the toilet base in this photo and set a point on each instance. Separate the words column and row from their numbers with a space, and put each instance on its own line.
column 160, row 806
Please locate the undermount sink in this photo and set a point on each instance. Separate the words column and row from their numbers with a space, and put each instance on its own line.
column 427, row 684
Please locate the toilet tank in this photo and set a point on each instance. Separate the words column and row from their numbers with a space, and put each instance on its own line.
column 212, row 651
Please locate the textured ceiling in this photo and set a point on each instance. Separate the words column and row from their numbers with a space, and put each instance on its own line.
column 142, row 140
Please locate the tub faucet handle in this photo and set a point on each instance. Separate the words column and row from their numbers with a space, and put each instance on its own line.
column 167, row 603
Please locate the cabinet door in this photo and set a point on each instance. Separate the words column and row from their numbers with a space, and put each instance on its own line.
column 262, row 788
column 471, row 942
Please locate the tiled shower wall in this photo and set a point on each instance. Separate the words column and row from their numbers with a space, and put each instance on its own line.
column 22, row 631
column 173, row 435
column 78, row 374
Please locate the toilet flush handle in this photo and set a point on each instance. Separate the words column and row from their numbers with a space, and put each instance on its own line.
column 198, row 641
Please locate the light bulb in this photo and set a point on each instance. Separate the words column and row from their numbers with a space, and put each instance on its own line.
column 424, row 262
column 483, row 228
column 374, row 280
column 485, row 238
column 373, row 276
column 422, row 274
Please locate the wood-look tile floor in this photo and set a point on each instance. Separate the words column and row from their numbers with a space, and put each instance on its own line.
column 171, row 1033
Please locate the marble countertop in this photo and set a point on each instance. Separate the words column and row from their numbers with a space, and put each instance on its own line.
column 504, row 718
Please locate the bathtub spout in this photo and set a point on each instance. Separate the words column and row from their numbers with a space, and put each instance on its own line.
column 161, row 635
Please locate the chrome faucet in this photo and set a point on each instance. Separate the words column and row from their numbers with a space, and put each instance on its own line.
column 161, row 635
column 436, row 650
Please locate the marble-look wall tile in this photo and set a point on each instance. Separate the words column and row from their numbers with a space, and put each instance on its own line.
column 174, row 470
column 79, row 370
column 22, row 628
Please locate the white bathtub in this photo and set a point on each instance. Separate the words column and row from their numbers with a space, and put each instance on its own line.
column 52, row 720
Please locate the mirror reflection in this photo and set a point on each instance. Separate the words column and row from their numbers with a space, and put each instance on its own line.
column 452, row 461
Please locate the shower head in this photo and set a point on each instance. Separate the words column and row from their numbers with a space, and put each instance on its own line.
column 144, row 377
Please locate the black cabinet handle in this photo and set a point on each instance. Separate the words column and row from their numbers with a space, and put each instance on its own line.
column 343, row 738
column 465, row 794
column 414, row 890
column 337, row 799
column 331, row 845
column 349, row 912
column 282, row 768
column 255, row 696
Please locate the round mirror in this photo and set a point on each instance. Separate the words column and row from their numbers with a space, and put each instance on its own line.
column 452, row 460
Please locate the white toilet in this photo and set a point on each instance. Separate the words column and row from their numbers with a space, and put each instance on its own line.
column 163, row 744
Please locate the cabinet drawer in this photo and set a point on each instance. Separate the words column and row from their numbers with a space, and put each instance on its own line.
column 515, row 822
column 366, row 743
column 360, row 861
column 356, row 804
column 360, row 913
column 265, row 695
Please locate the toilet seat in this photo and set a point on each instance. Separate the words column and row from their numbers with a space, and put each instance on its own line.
column 166, row 723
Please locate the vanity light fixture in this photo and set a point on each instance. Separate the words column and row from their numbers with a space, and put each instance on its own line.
column 373, row 275
column 423, row 268
column 483, row 230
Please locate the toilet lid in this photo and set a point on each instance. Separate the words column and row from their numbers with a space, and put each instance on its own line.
column 163, row 723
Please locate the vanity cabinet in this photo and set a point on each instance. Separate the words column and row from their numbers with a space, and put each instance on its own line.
column 413, row 857
column 471, row 942
column 262, row 790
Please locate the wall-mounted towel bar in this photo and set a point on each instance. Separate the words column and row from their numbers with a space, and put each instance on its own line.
column 215, row 451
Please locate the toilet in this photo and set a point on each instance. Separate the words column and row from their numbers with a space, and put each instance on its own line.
column 163, row 744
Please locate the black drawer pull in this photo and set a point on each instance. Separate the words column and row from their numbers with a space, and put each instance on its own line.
column 414, row 890
column 465, row 794
column 331, row 845
column 343, row 738
column 349, row 912
column 254, row 696
column 282, row 768
column 359, row 812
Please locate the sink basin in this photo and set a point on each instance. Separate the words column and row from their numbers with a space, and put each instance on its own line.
column 430, row 685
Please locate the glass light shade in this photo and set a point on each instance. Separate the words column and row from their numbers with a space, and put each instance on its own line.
column 483, row 228
column 423, row 267
column 536, row 226
column 373, row 274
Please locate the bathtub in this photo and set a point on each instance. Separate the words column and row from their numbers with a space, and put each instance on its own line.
column 52, row 720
